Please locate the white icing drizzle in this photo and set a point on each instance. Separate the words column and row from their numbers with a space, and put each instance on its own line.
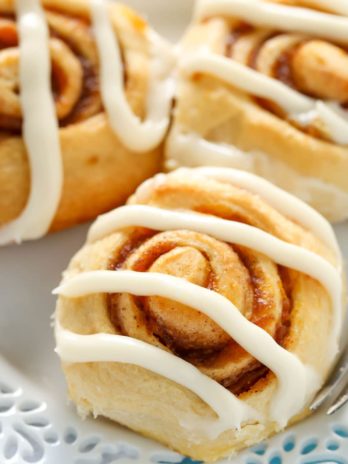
column 137, row 135
column 287, row 18
column 292, row 102
column 40, row 127
column 337, row 6
column 287, row 204
column 249, row 80
column 192, row 150
column 296, row 381
column 283, row 253
column 335, row 119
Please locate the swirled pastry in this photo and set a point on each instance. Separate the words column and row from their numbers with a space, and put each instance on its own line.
column 205, row 313
column 84, row 107
column 264, row 87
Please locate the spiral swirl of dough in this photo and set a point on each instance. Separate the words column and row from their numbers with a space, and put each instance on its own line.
column 74, row 70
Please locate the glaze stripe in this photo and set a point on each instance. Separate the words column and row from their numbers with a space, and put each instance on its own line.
column 137, row 135
column 249, row 80
column 40, row 127
column 298, row 106
column 285, row 203
column 192, row 150
column 337, row 6
column 296, row 381
column 287, row 18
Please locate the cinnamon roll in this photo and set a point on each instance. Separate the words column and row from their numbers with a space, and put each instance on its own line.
column 264, row 87
column 205, row 313
column 85, row 99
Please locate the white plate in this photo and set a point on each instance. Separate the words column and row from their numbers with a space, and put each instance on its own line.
column 36, row 423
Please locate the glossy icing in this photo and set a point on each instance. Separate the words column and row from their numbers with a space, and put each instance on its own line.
column 40, row 127
column 137, row 135
column 288, row 18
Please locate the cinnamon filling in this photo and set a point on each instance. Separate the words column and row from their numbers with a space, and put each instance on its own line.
column 313, row 67
column 282, row 68
column 234, row 272
column 89, row 102
column 75, row 70
column 235, row 33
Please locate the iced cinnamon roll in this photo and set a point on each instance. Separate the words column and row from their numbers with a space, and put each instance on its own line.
column 85, row 99
column 205, row 313
column 264, row 87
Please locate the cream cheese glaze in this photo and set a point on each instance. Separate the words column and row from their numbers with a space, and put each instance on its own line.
column 40, row 127
column 191, row 150
column 289, row 18
column 282, row 201
column 297, row 382
column 135, row 134
column 337, row 6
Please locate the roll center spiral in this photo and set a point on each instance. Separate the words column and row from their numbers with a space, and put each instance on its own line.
column 249, row 280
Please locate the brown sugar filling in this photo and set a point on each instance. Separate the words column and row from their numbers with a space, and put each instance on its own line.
column 282, row 71
column 175, row 340
column 88, row 102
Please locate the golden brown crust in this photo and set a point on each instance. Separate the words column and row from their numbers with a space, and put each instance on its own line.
column 304, row 161
column 99, row 172
column 292, row 307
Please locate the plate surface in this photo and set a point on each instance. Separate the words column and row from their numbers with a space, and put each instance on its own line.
column 36, row 423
